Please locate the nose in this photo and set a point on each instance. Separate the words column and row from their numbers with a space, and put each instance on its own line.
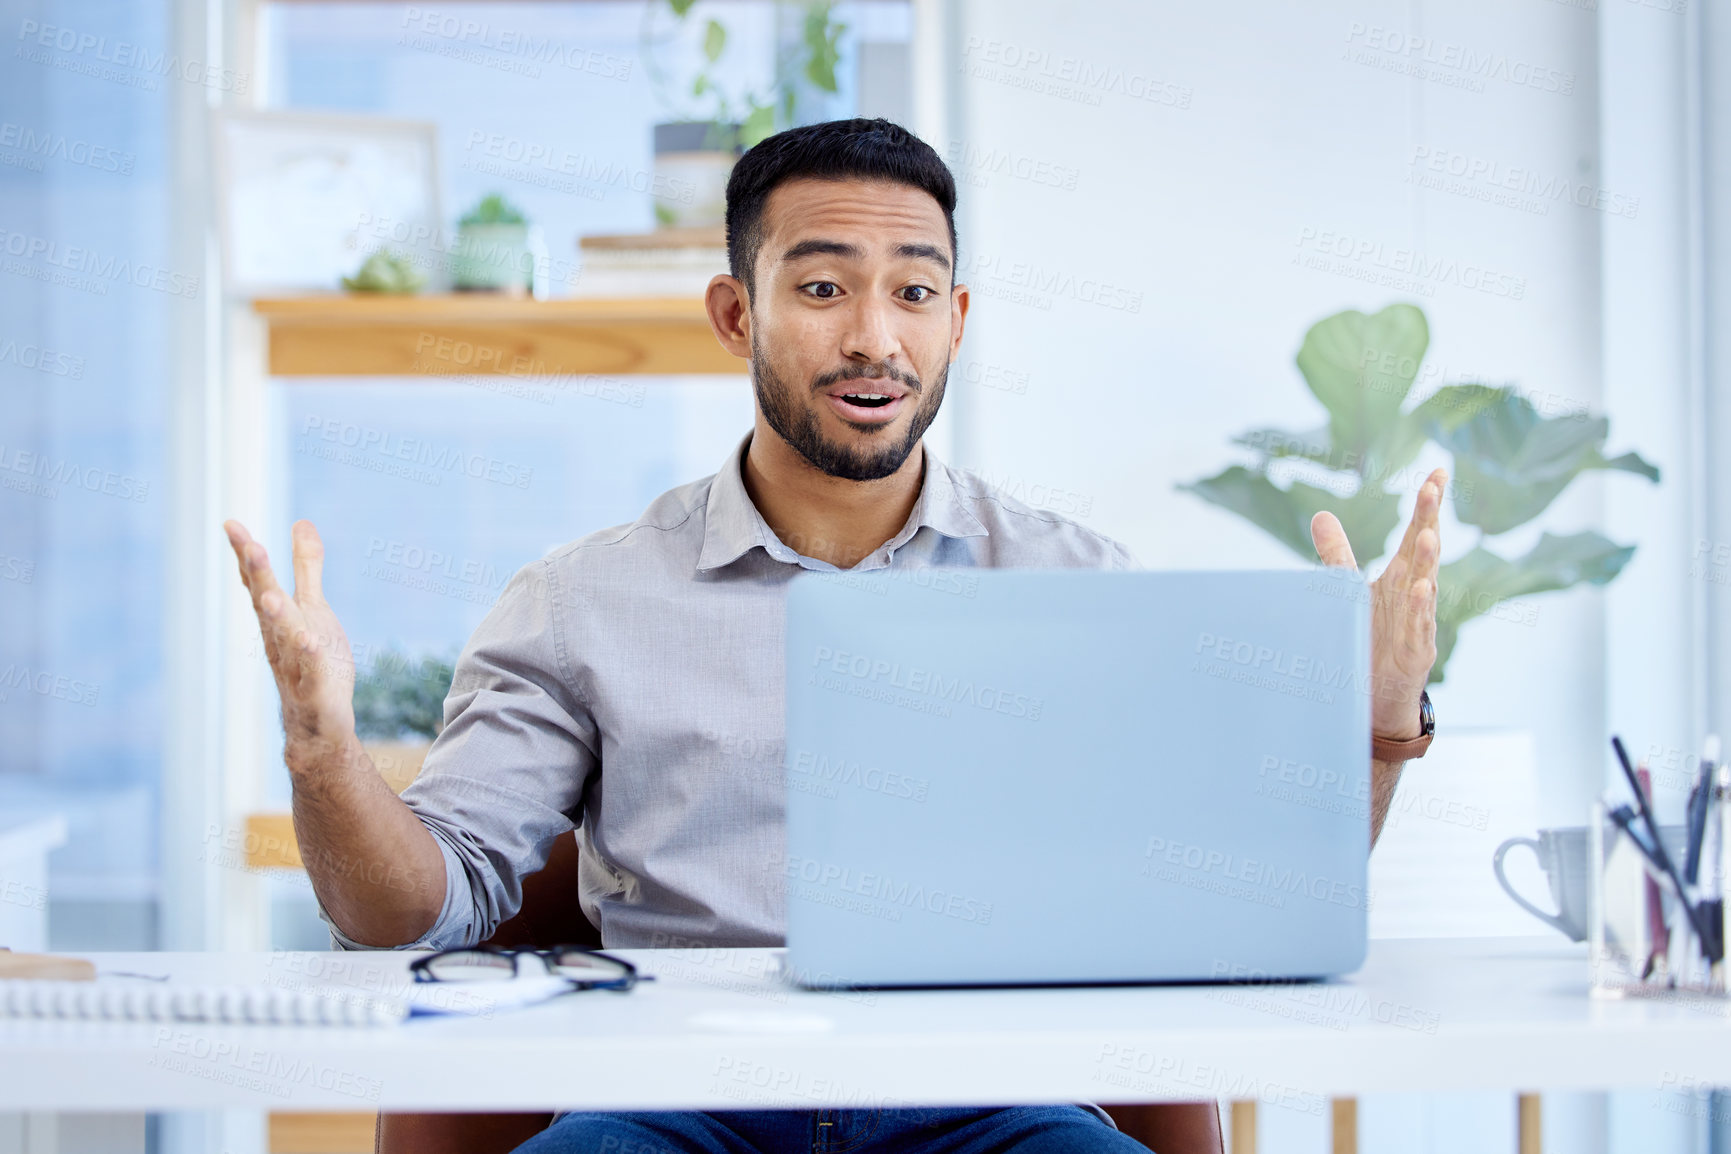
column 870, row 335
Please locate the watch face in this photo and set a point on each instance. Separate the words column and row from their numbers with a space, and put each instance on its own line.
column 1426, row 715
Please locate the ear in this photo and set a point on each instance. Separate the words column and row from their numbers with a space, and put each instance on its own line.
column 958, row 318
column 729, row 307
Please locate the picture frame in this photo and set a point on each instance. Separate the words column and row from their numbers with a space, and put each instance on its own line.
column 304, row 198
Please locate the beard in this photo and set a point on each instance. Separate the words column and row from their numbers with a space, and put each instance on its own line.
column 796, row 420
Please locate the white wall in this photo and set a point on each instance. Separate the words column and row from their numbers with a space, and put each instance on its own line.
column 1267, row 121
column 1200, row 209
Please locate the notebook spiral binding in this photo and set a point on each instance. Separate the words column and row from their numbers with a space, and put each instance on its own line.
column 237, row 1005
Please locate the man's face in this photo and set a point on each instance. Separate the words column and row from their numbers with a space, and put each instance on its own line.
column 854, row 321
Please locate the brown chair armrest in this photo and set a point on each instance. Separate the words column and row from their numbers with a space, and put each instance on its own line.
column 1172, row 1127
column 456, row 1133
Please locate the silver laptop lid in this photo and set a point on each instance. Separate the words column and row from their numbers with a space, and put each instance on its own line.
column 1010, row 776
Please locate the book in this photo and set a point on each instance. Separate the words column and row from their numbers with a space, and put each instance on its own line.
column 669, row 262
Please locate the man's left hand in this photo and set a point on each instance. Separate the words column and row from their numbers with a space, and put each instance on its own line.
column 1402, row 610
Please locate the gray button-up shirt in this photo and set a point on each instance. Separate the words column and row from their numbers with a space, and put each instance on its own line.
column 631, row 683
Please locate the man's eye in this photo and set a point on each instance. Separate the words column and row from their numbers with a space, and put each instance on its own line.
column 823, row 290
column 916, row 294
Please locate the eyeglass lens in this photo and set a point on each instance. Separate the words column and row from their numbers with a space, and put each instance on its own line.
column 586, row 967
column 471, row 966
column 484, row 966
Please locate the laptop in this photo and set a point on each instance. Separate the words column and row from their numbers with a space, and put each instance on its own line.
column 1023, row 777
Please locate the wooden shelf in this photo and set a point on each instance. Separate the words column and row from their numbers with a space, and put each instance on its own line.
column 340, row 335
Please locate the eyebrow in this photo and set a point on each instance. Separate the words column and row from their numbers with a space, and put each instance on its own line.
column 924, row 252
column 853, row 251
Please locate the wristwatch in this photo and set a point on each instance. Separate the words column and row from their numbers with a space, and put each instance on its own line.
column 1388, row 749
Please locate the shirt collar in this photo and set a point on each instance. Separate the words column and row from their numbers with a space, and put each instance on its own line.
column 732, row 526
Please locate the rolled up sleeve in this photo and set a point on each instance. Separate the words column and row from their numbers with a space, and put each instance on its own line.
column 508, row 773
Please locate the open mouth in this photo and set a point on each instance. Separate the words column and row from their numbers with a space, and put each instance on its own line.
column 869, row 401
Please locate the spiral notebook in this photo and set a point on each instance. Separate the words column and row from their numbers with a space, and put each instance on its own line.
column 151, row 1001
column 170, row 1002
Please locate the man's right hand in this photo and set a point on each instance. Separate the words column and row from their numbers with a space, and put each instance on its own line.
column 305, row 644
column 376, row 869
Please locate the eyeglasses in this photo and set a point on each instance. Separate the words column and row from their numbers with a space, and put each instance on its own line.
column 585, row 969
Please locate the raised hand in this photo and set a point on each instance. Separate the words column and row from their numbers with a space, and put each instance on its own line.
column 376, row 870
column 308, row 651
column 1402, row 610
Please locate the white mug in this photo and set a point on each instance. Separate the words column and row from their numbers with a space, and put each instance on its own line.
column 1562, row 854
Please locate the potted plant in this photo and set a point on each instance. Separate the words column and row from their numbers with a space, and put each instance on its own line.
column 1510, row 463
column 399, row 709
column 492, row 251
column 694, row 154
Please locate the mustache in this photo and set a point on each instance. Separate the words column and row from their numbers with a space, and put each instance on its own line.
column 855, row 372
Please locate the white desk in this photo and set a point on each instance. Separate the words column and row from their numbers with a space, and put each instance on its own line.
column 716, row 1031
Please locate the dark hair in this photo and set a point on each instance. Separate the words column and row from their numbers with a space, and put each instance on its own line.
column 856, row 149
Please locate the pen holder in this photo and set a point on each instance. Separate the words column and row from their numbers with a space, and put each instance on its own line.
column 1641, row 939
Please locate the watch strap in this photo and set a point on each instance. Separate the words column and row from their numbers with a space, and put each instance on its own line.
column 1393, row 749
column 1388, row 749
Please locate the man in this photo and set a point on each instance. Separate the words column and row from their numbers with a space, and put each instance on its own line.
column 620, row 681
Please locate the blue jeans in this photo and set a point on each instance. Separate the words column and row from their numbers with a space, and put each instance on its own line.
column 931, row 1130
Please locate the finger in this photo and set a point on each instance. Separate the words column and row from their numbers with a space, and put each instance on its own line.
column 1426, row 510
column 309, row 563
column 255, row 563
column 1426, row 552
column 279, row 618
column 238, row 540
column 290, row 645
column 1421, row 625
column 1330, row 540
column 283, row 620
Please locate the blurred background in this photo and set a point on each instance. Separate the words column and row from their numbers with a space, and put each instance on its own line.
column 426, row 276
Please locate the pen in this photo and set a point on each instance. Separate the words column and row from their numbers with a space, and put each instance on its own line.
column 1709, row 944
column 1657, row 931
column 1717, row 842
column 1698, row 805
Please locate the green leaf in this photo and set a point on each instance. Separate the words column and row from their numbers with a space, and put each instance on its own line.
column 1480, row 581
column 700, row 85
column 1448, row 407
column 1255, row 498
column 493, row 209
column 1510, row 463
column 1368, row 516
column 1627, row 463
column 1310, row 445
column 1361, row 369
column 758, row 125
column 1453, row 405
column 680, row 7
column 1445, row 408
column 714, row 40
column 385, row 272
column 821, row 36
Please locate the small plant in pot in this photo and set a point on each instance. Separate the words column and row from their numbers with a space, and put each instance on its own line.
column 492, row 251
column 399, row 710
column 716, row 120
